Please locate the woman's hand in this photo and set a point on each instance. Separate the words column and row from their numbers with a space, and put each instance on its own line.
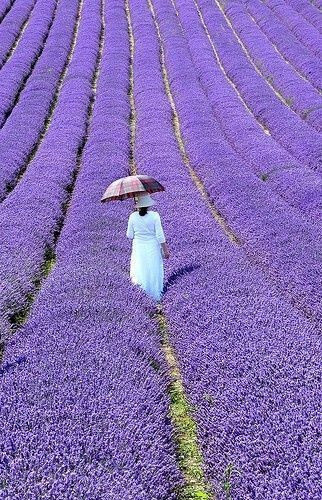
column 165, row 250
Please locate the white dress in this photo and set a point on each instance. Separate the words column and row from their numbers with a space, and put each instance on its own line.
column 146, row 259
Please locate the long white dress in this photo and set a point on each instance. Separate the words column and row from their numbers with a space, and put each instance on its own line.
column 146, row 268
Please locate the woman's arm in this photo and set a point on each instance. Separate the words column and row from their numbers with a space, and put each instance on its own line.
column 130, row 230
column 160, row 236
column 165, row 250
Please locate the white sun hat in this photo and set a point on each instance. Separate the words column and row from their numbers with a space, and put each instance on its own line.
column 144, row 201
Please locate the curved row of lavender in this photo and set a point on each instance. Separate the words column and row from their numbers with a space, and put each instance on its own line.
column 307, row 34
column 5, row 6
column 236, row 339
column 15, row 72
column 12, row 24
column 37, row 99
column 32, row 214
column 298, row 185
column 294, row 52
column 245, row 201
column 298, row 93
column 308, row 11
column 84, row 411
column 286, row 127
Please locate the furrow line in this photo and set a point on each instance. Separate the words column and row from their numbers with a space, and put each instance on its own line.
column 27, row 76
column 63, row 75
column 305, row 33
column 79, row 157
column 258, row 172
column 11, row 27
column 89, row 117
column 230, row 82
column 53, row 104
column 307, row 12
column 259, row 96
column 189, row 455
column 131, row 91
column 18, row 38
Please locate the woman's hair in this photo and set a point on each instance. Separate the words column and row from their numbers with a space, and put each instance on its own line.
column 143, row 211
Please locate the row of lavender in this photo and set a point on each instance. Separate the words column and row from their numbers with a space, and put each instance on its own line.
column 12, row 24
column 308, row 11
column 5, row 6
column 245, row 201
column 83, row 386
column 270, row 161
column 288, row 46
column 307, row 34
column 286, row 127
column 32, row 212
column 37, row 100
column 235, row 337
column 15, row 72
column 295, row 92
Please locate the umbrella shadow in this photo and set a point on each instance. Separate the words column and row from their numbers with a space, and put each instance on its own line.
column 179, row 273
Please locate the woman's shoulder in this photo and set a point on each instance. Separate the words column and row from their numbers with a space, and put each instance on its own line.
column 155, row 214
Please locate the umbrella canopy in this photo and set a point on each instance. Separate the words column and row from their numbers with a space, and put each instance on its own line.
column 129, row 187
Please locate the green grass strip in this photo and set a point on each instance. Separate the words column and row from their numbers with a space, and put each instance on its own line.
column 20, row 317
column 189, row 455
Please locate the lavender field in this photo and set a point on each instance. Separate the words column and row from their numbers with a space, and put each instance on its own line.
column 215, row 393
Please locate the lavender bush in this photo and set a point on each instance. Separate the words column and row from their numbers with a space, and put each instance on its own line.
column 35, row 207
column 297, row 137
column 12, row 24
column 295, row 92
column 308, row 11
column 289, row 47
column 299, row 186
column 15, row 72
column 36, row 100
column 301, row 29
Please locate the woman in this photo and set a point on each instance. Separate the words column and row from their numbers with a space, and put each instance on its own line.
column 148, row 247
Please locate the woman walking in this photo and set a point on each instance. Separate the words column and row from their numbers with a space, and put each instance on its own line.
column 148, row 247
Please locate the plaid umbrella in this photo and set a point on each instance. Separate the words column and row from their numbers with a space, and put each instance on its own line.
column 129, row 187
